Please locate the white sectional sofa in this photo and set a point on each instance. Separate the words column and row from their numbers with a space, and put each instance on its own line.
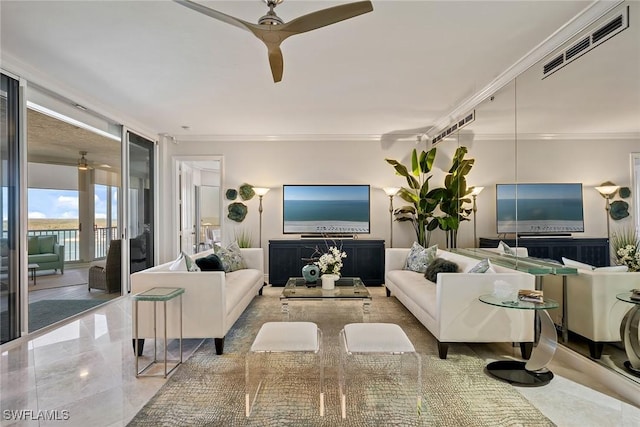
column 450, row 308
column 593, row 311
column 212, row 301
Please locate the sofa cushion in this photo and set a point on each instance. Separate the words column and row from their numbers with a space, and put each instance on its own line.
column 231, row 257
column 179, row 264
column 34, row 247
column 439, row 265
column 42, row 258
column 577, row 264
column 237, row 284
column 420, row 257
column 613, row 269
column 45, row 244
column 210, row 262
column 419, row 290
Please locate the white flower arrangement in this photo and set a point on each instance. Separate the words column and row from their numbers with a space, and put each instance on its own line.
column 331, row 262
column 629, row 255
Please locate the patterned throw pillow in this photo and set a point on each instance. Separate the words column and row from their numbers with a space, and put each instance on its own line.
column 481, row 267
column 419, row 257
column 439, row 265
column 506, row 248
column 231, row 257
column 184, row 263
column 191, row 265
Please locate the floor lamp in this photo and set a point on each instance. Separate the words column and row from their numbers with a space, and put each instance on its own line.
column 260, row 191
column 391, row 192
column 474, row 194
column 607, row 191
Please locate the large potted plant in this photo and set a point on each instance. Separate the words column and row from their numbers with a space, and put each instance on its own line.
column 454, row 196
column 422, row 200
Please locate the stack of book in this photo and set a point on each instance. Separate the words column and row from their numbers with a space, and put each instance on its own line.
column 530, row 295
column 635, row 294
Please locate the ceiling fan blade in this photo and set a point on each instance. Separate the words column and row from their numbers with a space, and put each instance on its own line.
column 325, row 17
column 276, row 61
column 216, row 15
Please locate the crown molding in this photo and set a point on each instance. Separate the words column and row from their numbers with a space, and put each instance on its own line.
column 599, row 136
column 278, row 138
column 589, row 15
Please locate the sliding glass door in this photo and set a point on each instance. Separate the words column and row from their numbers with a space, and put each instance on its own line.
column 10, row 200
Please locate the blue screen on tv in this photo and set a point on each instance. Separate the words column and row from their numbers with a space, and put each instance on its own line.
column 539, row 208
column 325, row 209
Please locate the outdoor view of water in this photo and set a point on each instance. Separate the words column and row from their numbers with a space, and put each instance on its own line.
column 540, row 209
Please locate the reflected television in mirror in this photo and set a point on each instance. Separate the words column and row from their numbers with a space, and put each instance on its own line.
column 539, row 209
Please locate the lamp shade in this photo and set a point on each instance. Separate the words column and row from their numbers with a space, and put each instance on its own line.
column 391, row 191
column 476, row 191
column 261, row 191
column 607, row 190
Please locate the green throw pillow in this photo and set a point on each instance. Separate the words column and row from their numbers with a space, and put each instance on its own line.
column 419, row 257
column 231, row 257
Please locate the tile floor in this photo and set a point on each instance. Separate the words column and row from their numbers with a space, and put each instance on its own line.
column 83, row 374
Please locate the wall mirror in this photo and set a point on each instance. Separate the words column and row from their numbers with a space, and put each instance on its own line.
column 579, row 123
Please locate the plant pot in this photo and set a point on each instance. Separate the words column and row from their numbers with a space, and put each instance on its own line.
column 329, row 281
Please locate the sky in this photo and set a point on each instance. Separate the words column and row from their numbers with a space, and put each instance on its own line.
column 44, row 203
column 326, row 192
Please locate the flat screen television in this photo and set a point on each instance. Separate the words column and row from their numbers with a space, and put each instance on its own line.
column 326, row 209
column 539, row 208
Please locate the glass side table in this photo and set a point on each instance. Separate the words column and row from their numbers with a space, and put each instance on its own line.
column 631, row 344
column 157, row 295
column 534, row 372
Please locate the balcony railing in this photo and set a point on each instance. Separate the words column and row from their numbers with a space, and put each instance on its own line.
column 70, row 238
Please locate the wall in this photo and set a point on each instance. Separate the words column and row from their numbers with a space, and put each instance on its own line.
column 271, row 164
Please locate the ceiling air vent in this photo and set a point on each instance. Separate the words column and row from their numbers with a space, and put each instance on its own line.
column 454, row 127
column 597, row 36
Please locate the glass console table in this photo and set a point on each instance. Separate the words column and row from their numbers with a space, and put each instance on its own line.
column 534, row 266
column 533, row 372
column 631, row 339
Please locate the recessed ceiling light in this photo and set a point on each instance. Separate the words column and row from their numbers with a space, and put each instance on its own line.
column 185, row 127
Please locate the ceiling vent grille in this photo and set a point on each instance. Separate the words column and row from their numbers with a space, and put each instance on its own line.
column 454, row 127
column 613, row 26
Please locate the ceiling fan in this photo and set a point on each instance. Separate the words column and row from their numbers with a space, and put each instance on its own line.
column 272, row 30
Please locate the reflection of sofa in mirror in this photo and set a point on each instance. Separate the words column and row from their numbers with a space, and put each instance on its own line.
column 138, row 249
column 593, row 311
column 43, row 250
column 106, row 274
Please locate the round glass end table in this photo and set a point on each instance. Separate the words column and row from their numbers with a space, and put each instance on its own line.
column 534, row 372
column 631, row 338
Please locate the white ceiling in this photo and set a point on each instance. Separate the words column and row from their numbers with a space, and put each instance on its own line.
column 158, row 66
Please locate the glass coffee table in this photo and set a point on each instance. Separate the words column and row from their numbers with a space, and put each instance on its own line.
column 347, row 288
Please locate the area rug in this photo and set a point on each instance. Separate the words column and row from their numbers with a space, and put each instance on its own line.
column 209, row 389
column 49, row 279
column 46, row 312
